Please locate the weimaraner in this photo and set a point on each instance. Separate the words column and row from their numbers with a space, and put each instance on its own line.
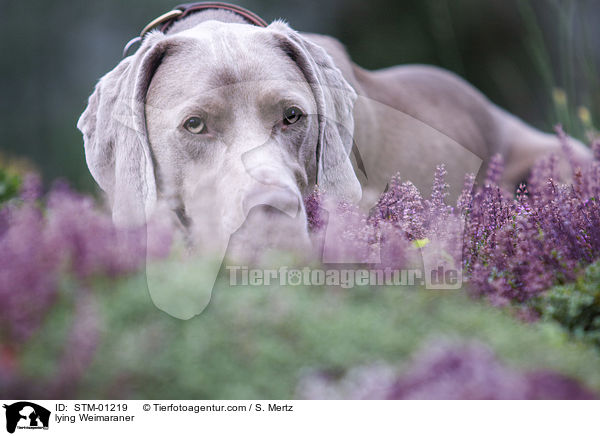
column 216, row 117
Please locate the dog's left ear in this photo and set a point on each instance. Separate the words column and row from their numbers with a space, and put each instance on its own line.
column 335, row 103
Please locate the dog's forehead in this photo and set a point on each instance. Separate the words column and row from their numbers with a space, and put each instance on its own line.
column 232, row 52
column 220, row 56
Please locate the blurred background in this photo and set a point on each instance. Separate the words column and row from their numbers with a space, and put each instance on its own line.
column 535, row 58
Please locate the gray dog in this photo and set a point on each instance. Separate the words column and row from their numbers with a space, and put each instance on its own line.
column 228, row 126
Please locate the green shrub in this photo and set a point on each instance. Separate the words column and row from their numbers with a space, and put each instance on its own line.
column 256, row 342
column 576, row 306
column 9, row 185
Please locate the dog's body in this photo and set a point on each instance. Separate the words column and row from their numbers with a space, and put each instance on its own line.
column 235, row 81
column 411, row 118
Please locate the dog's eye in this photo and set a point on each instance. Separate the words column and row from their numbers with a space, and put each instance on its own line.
column 194, row 125
column 291, row 115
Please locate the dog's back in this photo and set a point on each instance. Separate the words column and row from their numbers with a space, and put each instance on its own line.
column 411, row 118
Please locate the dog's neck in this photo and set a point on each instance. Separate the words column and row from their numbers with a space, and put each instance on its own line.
column 201, row 16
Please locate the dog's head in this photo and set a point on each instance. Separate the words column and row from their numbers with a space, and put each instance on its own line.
column 220, row 122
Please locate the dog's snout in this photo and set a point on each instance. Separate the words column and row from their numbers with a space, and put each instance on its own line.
column 270, row 176
column 272, row 199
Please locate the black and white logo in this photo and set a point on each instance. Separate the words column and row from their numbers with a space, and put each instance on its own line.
column 26, row 415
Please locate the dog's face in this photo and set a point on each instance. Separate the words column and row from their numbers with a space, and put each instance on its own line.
column 227, row 125
column 231, row 126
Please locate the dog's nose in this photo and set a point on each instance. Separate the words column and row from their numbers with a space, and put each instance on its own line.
column 273, row 199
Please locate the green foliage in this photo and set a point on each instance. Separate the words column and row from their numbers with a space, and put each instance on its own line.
column 256, row 342
column 576, row 306
column 575, row 101
column 9, row 185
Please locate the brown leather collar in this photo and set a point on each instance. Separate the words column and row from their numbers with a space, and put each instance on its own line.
column 167, row 19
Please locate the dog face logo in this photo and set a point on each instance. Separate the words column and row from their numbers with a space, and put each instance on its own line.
column 26, row 415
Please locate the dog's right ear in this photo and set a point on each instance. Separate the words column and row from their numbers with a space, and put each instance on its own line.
column 115, row 137
column 334, row 98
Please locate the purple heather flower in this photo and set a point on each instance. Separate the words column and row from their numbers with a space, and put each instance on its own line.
column 28, row 276
column 31, row 188
column 512, row 248
column 403, row 206
column 313, row 204
column 517, row 248
column 494, row 170
column 69, row 235
column 465, row 200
